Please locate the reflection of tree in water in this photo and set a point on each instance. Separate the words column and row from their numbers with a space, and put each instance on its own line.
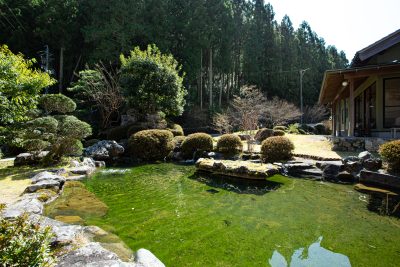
column 237, row 185
column 315, row 255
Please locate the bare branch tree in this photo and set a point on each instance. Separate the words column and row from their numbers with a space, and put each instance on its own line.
column 247, row 108
column 101, row 86
column 279, row 111
column 315, row 114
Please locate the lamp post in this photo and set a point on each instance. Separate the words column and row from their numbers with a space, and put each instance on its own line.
column 301, row 92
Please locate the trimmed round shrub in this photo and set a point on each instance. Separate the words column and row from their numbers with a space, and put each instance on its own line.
column 57, row 103
column 73, row 128
column 196, row 141
column 229, row 144
column 263, row 134
column 276, row 148
column 279, row 133
column 280, row 127
column 390, row 152
column 176, row 129
column 151, row 144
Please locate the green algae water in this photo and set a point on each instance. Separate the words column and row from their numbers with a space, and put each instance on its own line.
column 190, row 219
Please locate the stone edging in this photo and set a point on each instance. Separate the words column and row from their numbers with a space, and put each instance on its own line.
column 76, row 241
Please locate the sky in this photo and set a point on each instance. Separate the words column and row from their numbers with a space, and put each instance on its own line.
column 350, row 25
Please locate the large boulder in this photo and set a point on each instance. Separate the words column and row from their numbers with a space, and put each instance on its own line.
column 331, row 171
column 364, row 155
column 104, row 150
column 92, row 255
column 144, row 258
column 28, row 204
column 380, row 179
column 345, row 176
column 237, row 168
column 45, row 180
column 29, row 158
column 372, row 164
column 42, row 176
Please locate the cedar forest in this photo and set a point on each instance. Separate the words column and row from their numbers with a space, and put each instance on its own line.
column 221, row 44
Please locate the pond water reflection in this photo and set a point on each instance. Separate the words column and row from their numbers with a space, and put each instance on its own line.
column 316, row 255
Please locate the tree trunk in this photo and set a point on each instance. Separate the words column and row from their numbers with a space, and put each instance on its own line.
column 227, row 88
column 210, row 78
column 201, row 79
column 61, row 72
column 220, row 90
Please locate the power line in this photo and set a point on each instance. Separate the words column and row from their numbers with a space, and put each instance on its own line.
column 15, row 17
column 12, row 25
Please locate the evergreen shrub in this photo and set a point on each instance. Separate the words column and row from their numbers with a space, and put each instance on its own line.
column 229, row 144
column 176, row 129
column 263, row 134
column 276, row 148
column 151, row 144
column 280, row 127
column 57, row 103
column 196, row 141
column 23, row 243
column 279, row 133
column 390, row 152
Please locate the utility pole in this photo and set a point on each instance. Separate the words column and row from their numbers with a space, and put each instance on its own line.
column 301, row 92
column 45, row 57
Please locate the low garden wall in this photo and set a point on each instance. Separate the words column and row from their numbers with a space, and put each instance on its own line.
column 370, row 144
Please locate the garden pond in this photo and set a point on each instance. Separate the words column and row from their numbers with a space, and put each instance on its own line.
column 191, row 219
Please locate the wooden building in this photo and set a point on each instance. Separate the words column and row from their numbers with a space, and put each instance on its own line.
column 365, row 98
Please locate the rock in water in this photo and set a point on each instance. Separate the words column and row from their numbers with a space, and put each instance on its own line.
column 104, row 150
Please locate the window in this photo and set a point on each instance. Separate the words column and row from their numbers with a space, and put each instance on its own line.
column 392, row 103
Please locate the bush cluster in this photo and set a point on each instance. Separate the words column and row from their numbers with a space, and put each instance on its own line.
column 263, row 134
column 279, row 133
column 276, row 148
column 23, row 243
column 196, row 141
column 229, row 144
column 390, row 152
column 151, row 144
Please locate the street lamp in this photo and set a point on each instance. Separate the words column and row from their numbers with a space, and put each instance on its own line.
column 301, row 92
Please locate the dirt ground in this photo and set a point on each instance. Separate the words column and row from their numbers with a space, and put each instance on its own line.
column 312, row 145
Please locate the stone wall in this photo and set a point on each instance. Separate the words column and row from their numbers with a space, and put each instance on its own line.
column 351, row 144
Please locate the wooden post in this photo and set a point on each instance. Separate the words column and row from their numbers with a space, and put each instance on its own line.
column 333, row 116
column 351, row 108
